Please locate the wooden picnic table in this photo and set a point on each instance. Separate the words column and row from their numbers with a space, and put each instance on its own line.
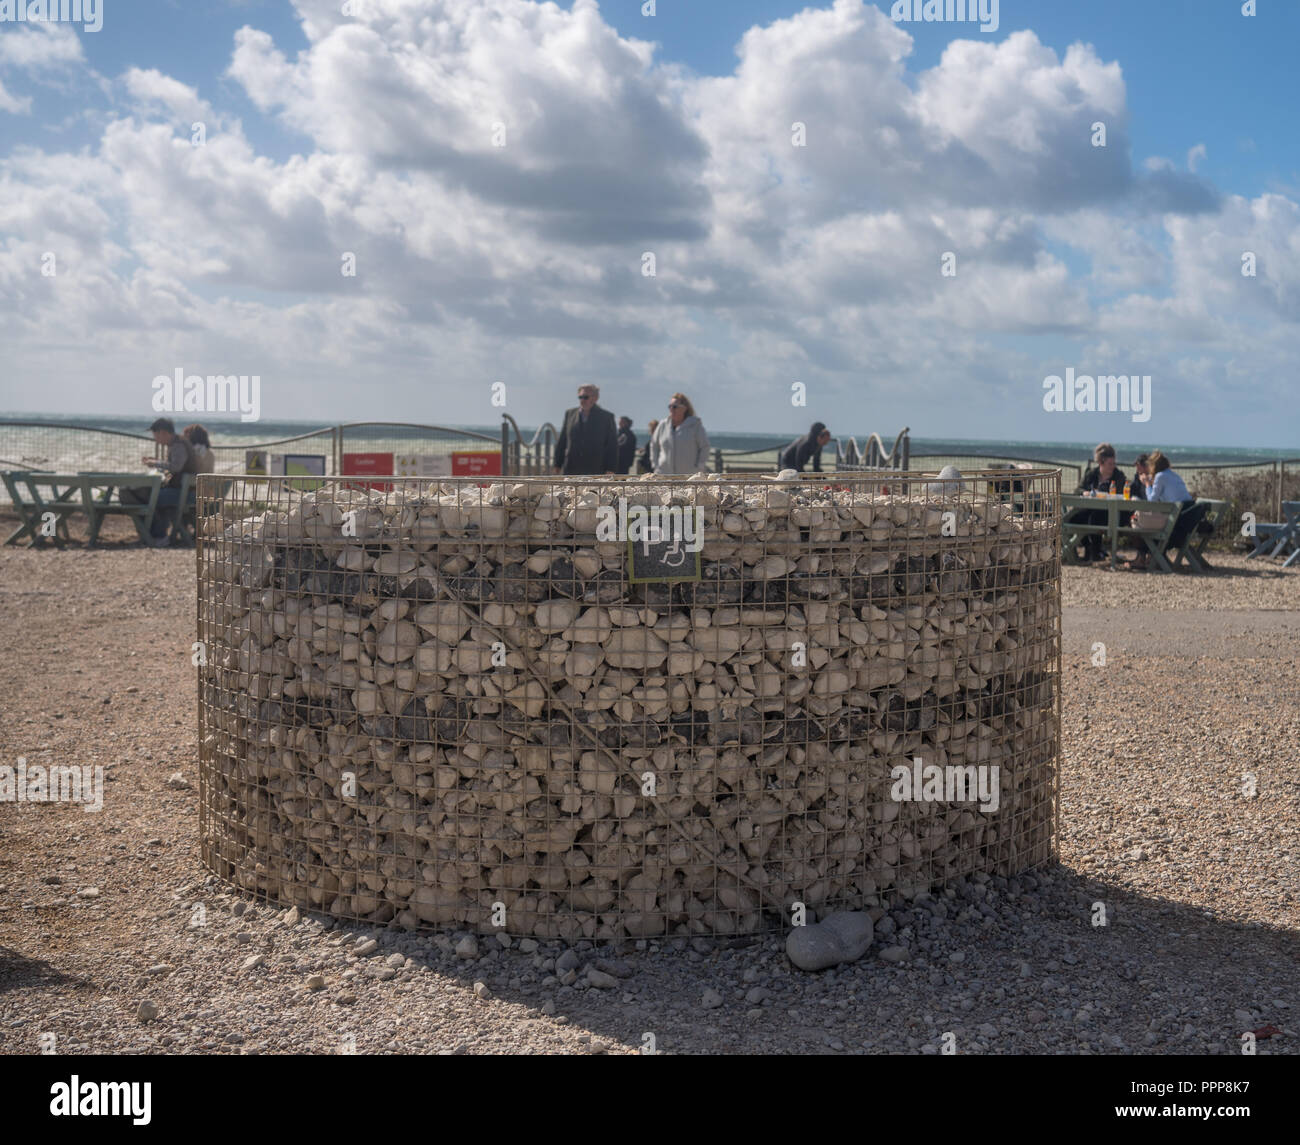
column 1192, row 550
column 1155, row 539
column 97, row 491
column 1273, row 537
column 1291, row 510
column 39, row 495
column 41, row 499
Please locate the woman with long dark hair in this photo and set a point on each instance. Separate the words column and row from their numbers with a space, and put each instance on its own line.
column 201, row 446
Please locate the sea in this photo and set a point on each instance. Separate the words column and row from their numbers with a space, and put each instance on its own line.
column 266, row 432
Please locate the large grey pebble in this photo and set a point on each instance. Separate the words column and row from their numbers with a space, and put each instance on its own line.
column 615, row 966
column 840, row 937
column 854, row 930
column 813, row 947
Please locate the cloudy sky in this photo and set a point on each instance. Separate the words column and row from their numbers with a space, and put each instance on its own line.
column 500, row 170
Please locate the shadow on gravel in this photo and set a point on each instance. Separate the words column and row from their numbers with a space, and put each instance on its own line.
column 1262, row 569
column 17, row 971
column 116, row 535
column 1016, row 966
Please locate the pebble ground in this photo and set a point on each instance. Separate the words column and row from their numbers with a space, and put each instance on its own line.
column 114, row 939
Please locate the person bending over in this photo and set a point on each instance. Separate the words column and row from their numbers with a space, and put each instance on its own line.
column 804, row 449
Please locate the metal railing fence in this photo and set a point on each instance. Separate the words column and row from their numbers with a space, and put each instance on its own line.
column 232, row 459
column 70, row 448
column 62, row 447
column 1254, row 487
column 840, row 454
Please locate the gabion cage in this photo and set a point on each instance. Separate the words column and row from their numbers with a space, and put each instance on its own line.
column 540, row 706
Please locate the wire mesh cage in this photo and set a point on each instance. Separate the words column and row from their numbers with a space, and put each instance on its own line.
column 603, row 707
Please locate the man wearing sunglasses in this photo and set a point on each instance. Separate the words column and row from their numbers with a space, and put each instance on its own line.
column 588, row 441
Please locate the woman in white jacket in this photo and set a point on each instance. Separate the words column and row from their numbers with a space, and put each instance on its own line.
column 679, row 444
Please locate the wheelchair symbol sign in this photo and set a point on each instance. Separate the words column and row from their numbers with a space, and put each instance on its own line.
column 656, row 558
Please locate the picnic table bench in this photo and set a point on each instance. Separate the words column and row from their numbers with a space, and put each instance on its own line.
column 38, row 495
column 97, row 493
column 1155, row 539
column 1274, row 537
column 1192, row 551
column 41, row 498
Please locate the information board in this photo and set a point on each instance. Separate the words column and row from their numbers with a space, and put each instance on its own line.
column 422, row 465
column 262, row 463
column 477, row 464
column 367, row 465
column 309, row 465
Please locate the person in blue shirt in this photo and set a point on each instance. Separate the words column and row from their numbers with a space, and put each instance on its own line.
column 1163, row 484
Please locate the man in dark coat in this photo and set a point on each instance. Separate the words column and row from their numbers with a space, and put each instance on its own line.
column 809, row 447
column 626, row 445
column 588, row 441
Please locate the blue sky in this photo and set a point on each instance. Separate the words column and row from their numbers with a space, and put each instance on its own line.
column 1200, row 74
column 369, row 132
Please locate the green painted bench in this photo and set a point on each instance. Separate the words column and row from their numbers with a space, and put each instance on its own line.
column 1156, row 540
column 97, row 496
column 43, row 501
column 1192, row 551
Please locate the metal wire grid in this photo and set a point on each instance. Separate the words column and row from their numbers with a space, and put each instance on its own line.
column 61, row 448
column 232, row 460
column 467, row 714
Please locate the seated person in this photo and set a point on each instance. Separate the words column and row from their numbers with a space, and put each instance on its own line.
column 179, row 461
column 1166, row 485
column 1098, row 479
column 1141, row 476
column 204, row 459
column 1163, row 484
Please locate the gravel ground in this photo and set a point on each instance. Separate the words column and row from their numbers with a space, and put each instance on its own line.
column 1237, row 584
column 101, row 913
